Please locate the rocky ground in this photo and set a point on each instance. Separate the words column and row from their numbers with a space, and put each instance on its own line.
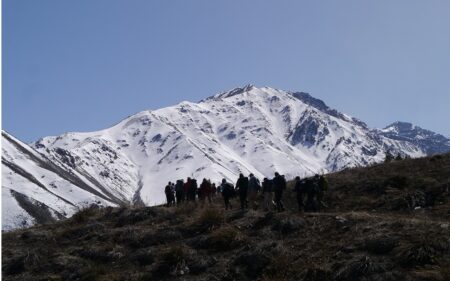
column 385, row 222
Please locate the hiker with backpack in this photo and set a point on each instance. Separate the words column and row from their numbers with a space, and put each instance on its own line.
column 242, row 190
column 254, row 187
column 228, row 192
column 266, row 194
column 279, row 185
column 193, row 190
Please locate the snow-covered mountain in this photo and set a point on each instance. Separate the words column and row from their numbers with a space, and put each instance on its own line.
column 35, row 190
column 248, row 129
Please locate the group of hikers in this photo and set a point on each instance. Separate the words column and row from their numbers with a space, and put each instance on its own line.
column 251, row 192
column 181, row 191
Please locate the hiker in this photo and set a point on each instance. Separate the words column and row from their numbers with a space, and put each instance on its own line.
column 179, row 191
column 227, row 190
column 279, row 185
column 204, row 191
column 213, row 190
column 193, row 189
column 323, row 187
column 311, row 188
column 186, row 188
column 253, row 188
column 242, row 189
column 266, row 194
column 169, row 194
column 299, row 189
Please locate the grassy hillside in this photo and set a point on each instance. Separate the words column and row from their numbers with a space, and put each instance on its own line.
column 385, row 222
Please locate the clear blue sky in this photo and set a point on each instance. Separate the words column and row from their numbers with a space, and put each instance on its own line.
column 86, row 64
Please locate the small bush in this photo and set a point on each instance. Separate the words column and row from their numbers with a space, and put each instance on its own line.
column 280, row 266
column 128, row 236
column 84, row 214
column 415, row 255
column 174, row 255
column 210, row 218
column 224, row 239
column 173, row 262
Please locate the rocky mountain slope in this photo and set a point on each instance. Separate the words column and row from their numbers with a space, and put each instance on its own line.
column 428, row 141
column 383, row 223
column 248, row 129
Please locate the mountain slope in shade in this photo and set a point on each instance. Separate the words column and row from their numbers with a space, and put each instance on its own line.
column 34, row 190
column 249, row 129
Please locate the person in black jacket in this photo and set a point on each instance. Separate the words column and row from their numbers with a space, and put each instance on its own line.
column 311, row 188
column 242, row 188
column 169, row 194
column 279, row 185
column 191, row 187
column 179, row 192
column 227, row 193
column 254, row 187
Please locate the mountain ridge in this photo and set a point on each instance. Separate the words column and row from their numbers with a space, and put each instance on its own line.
column 244, row 130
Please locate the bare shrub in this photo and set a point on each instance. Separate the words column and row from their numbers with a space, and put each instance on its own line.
column 84, row 214
column 172, row 262
column 226, row 238
column 210, row 218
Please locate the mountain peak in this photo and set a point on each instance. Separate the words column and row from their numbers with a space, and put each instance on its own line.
column 232, row 92
column 400, row 126
column 320, row 105
column 310, row 100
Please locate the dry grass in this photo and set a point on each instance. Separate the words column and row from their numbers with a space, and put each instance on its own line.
column 369, row 232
